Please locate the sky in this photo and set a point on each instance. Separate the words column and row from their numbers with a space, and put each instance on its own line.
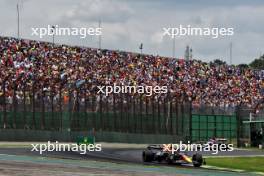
column 127, row 23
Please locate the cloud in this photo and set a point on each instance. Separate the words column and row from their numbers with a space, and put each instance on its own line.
column 128, row 23
column 93, row 10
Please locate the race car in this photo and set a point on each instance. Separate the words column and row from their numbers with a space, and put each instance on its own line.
column 86, row 139
column 157, row 153
column 215, row 143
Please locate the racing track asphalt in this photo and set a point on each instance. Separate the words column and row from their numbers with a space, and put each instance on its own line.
column 122, row 155
column 132, row 156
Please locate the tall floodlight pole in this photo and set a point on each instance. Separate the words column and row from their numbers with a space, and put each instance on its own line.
column 18, row 32
column 141, row 48
column 231, row 54
column 100, row 36
column 53, row 36
column 173, row 46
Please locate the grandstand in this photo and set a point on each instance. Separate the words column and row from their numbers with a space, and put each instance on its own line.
column 40, row 77
column 25, row 62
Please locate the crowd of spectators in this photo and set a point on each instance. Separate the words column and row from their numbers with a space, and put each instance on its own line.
column 26, row 65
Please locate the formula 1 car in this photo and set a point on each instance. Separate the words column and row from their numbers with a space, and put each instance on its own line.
column 157, row 153
column 87, row 139
column 215, row 143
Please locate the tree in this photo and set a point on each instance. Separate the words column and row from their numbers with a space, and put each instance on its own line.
column 218, row 62
column 258, row 63
column 243, row 66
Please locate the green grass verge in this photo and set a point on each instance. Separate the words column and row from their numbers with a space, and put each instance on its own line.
column 252, row 164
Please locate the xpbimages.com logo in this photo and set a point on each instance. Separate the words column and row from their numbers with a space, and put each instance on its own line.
column 147, row 90
column 62, row 147
column 62, row 31
column 208, row 147
column 188, row 30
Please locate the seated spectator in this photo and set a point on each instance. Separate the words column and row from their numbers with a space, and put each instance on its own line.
column 34, row 66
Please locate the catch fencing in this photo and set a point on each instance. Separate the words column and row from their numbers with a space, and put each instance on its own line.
column 79, row 110
column 76, row 109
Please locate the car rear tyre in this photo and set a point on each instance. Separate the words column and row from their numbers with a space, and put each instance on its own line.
column 147, row 156
column 197, row 160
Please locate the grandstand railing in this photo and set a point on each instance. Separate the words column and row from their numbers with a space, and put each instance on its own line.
column 81, row 109
column 78, row 109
